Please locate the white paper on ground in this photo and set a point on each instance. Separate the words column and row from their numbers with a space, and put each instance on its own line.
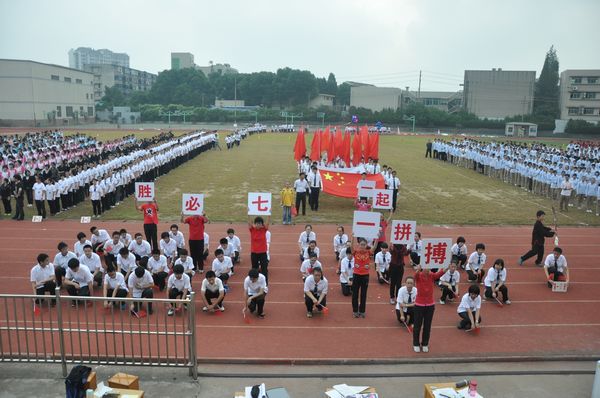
column 334, row 394
column 465, row 393
column 261, row 394
column 101, row 389
column 347, row 390
column 449, row 392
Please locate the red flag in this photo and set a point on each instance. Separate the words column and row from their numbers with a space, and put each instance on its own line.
column 339, row 142
column 346, row 149
column 364, row 140
column 335, row 146
column 344, row 184
column 315, row 147
column 356, row 150
column 325, row 139
column 374, row 146
column 300, row 145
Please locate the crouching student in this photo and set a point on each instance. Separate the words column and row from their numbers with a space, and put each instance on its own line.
column 92, row 261
column 459, row 252
column 221, row 266
column 78, row 280
column 186, row 262
column 43, row 278
column 126, row 262
column 212, row 289
column 405, row 302
column 159, row 269
column 475, row 270
column 556, row 268
column 178, row 287
column 346, row 269
column 469, row 309
column 414, row 251
column 315, row 291
column 308, row 265
column 255, row 290
column 495, row 282
column 449, row 284
column 140, row 284
column 114, row 286
column 382, row 263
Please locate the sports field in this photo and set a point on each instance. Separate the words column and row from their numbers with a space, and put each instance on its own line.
column 432, row 192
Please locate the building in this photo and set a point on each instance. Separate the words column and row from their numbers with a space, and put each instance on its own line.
column 445, row 101
column 221, row 103
column 186, row 60
column 127, row 80
column 580, row 95
column 497, row 94
column 521, row 129
column 321, row 100
column 375, row 98
column 82, row 56
column 33, row 93
column 119, row 115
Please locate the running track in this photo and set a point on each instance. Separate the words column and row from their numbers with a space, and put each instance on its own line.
column 538, row 324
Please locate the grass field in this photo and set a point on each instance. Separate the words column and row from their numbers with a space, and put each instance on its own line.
column 432, row 192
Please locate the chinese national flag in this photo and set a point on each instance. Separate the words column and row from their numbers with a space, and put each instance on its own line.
column 374, row 146
column 300, row 145
column 356, row 150
column 315, row 147
column 344, row 184
column 345, row 154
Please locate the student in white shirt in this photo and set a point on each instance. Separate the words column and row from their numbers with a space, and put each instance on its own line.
column 415, row 249
column 140, row 284
column 206, row 248
column 39, row 196
column 565, row 194
column 227, row 250
column 302, row 188
column 307, row 266
column 61, row 261
column 311, row 249
column 42, row 277
column 92, row 261
column 346, row 272
column 158, row 267
column 449, row 283
column 212, row 289
column 111, row 249
column 556, row 268
column 168, row 248
column 235, row 243
column 469, row 309
column 314, row 181
column 382, row 263
column 187, row 263
column 78, row 280
column 315, row 291
column 475, row 264
column 495, row 282
column 176, row 235
column 79, row 245
column 340, row 241
column 126, row 262
column 255, row 291
column 222, row 265
column 305, row 238
column 125, row 237
column 140, row 247
column 114, row 286
column 459, row 252
column 95, row 196
column 405, row 302
column 178, row 287
column 99, row 237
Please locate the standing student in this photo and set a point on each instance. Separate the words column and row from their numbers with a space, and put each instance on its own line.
column 449, row 284
column 314, row 180
column 302, row 188
column 394, row 185
column 39, row 196
column 340, row 243
column 459, row 252
column 382, row 263
column 150, row 211
column 42, row 277
column 360, row 276
column 258, row 245
column 475, row 264
column 19, row 194
column 405, row 302
column 424, row 307
column 428, row 146
column 212, row 289
column 538, row 238
column 95, row 197
column 178, row 287
column 495, row 282
column 287, row 201
column 159, row 269
column 556, row 268
column 383, row 224
column 196, row 238
column 315, row 291
column 255, row 291
column 140, row 284
column 566, row 189
column 469, row 309
column 78, row 280
column 346, row 272
column 114, row 286
column 396, row 269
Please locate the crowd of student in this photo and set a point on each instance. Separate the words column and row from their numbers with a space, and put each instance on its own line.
column 64, row 171
column 570, row 176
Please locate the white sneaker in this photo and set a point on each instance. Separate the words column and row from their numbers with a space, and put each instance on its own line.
column 442, row 302
column 222, row 308
column 425, row 348
column 205, row 309
column 507, row 302
column 171, row 312
column 392, row 301
column 416, row 348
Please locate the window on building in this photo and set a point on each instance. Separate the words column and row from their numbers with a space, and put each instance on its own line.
column 58, row 111
column 573, row 111
column 589, row 111
column 592, row 80
column 69, row 111
column 576, row 80
column 78, row 81
column 90, row 111
column 54, row 77
column 81, row 109
column 590, row 95
column 67, row 79
column 575, row 95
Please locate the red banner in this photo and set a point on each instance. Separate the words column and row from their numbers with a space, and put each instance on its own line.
column 344, row 184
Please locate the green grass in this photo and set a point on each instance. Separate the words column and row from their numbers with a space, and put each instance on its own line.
column 432, row 192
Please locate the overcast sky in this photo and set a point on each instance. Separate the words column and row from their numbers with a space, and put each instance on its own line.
column 384, row 42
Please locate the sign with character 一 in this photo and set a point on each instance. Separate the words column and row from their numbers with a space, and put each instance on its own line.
column 259, row 203
column 436, row 253
column 365, row 224
column 192, row 204
column 144, row 191
column 366, row 188
column 403, row 232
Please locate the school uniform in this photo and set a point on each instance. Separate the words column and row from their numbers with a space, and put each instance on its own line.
column 222, row 269
column 405, row 297
column 306, row 268
column 236, row 245
column 60, row 265
column 394, row 185
column 213, row 291
column 339, row 245
column 346, row 272
column 466, row 304
column 252, row 288
column 117, row 283
column 39, row 196
column 475, row 263
column 140, row 251
column 176, row 286
column 179, row 240
column 169, row 249
column 492, row 280
column 316, row 184
column 141, row 288
column 453, row 280
column 459, row 255
column 126, row 264
column 111, row 252
column 40, row 275
column 415, row 249
column 318, row 290
column 382, row 262
column 94, row 264
column 83, row 277
column 100, row 239
column 78, row 247
column 302, row 188
column 159, row 270
column 557, row 267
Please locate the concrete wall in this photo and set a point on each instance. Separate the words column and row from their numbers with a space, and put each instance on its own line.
column 375, row 98
column 581, row 84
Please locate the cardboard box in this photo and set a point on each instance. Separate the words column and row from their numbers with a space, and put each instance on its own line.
column 124, row 381
column 128, row 393
column 91, row 382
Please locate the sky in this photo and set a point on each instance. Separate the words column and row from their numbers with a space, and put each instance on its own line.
column 383, row 42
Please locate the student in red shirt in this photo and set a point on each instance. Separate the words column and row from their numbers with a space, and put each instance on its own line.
column 424, row 306
column 360, row 282
column 196, row 238
column 258, row 244
column 150, row 211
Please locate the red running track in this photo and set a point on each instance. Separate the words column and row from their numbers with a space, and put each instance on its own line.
column 539, row 323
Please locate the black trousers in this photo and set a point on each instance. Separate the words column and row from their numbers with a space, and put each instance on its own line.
column 448, row 293
column 260, row 260
column 151, row 232
column 396, row 273
column 49, row 287
column 97, row 206
column 7, row 206
column 159, row 279
column 309, row 303
column 415, row 258
column 146, row 293
column 535, row 250
column 83, row 291
column 20, row 208
column 409, row 315
column 59, row 274
column 314, row 198
column 428, row 152
column 301, row 199
column 394, row 199
column 175, row 293
column 472, row 276
column 196, row 250
column 360, row 284
column 346, row 289
column 423, row 319
column 503, row 289
column 120, row 293
column 209, row 295
column 258, row 304
column 465, row 322
column 41, row 208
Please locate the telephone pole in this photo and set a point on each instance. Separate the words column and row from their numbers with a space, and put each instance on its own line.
column 419, row 91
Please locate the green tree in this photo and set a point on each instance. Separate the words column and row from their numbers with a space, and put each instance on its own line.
column 342, row 96
column 112, row 97
column 332, row 86
column 545, row 100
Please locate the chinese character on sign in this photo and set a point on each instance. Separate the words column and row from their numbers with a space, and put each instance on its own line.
column 144, row 191
column 192, row 203
column 403, row 231
column 382, row 199
column 436, row 253
column 259, row 203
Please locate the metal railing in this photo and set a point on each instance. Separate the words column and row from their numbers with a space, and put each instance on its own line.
column 71, row 329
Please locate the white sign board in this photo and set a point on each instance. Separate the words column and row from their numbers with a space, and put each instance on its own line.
column 192, row 204
column 86, row 219
column 382, row 198
column 366, row 188
column 144, row 191
column 259, row 203
column 559, row 287
column 365, row 224
column 36, row 219
column 436, row 253
column 403, row 232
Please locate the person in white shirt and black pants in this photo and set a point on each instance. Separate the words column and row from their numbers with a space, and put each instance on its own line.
column 394, row 185
column 315, row 291
column 556, row 268
column 405, row 302
column 495, row 282
column 469, row 309
column 39, row 196
column 315, row 183
column 42, row 278
column 301, row 187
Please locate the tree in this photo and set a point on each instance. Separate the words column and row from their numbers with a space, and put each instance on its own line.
column 343, row 94
column 545, row 100
column 112, row 97
column 332, row 86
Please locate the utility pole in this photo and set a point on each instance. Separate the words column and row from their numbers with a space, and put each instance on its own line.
column 419, row 91
column 235, row 100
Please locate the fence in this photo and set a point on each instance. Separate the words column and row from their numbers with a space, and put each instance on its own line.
column 68, row 329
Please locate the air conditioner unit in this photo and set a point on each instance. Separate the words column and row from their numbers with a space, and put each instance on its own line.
column 574, row 88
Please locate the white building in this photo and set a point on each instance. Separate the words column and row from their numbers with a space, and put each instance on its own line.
column 127, row 80
column 186, row 60
column 375, row 98
column 82, row 56
column 580, row 95
column 33, row 93
column 321, row 100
